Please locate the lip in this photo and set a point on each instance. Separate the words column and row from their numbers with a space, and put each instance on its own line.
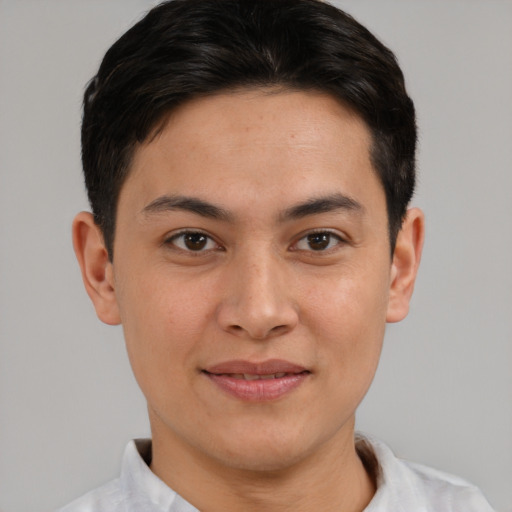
column 228, row 377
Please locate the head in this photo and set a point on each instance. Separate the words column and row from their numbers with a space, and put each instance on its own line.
column 249, row 164
column 185, row 49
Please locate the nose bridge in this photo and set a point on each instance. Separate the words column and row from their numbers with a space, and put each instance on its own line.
column 257, row 302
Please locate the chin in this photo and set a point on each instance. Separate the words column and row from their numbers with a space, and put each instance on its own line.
column 265, row 452
column 262, row 461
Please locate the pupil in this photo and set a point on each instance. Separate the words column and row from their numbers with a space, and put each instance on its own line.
column 195, row 241
column 318, row 241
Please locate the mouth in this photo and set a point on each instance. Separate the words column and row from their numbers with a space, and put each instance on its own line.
column 257, row 382
column 255, row 376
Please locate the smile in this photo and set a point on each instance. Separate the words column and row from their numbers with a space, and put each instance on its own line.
column 253, row 376
column 259, row 382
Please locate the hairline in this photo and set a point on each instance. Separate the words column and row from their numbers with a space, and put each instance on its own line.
column 266, row 89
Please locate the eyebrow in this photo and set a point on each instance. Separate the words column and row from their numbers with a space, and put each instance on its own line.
column 190, row 204
column 323, row 204
column 313, row 206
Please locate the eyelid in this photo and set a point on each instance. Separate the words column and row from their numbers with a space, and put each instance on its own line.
column 334, row 233
column 171, row 237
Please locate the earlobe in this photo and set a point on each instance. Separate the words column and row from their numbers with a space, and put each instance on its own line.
column 404, row 268
column 97, row 270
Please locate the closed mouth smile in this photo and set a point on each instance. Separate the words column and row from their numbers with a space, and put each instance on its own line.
column 257, row 382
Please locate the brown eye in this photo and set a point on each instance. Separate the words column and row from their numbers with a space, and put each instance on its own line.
column 318, row 241
column 193, row 241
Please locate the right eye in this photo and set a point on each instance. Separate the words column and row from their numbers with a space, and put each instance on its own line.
column 192, row 241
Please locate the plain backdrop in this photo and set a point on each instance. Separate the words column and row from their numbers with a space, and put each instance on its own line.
column 443, row 392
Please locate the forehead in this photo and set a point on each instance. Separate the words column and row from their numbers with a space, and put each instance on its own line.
column 253, row 143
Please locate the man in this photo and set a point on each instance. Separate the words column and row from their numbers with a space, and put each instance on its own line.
column 249, row 165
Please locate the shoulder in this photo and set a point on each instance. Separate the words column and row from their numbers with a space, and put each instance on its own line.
column 136, row 490
column 445, row 490
column 404, row 486
column 105, row 498
column 122, row 494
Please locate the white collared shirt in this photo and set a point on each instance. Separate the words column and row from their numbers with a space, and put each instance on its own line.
column 401, row 487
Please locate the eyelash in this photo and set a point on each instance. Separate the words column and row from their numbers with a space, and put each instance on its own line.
column 207, row 239
column 331, row 234
column 191, row 232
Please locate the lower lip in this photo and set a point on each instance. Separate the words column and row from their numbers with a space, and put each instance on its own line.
column 261, row 390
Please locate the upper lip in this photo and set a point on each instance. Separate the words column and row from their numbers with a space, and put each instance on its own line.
column 268, row 367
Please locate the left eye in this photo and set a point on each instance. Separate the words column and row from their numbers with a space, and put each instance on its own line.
column 193, row 241
column 320, row 241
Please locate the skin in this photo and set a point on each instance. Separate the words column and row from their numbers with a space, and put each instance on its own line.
column 257, row 290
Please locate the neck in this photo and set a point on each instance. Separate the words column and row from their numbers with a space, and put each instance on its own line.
column 333, row 478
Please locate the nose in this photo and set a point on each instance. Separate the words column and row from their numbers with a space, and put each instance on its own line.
column 257, row 301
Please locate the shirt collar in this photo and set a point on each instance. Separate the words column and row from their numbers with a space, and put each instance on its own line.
column 147, row 490
column 141, row 483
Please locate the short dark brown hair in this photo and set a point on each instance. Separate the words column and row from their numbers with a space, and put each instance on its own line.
column 183, row 49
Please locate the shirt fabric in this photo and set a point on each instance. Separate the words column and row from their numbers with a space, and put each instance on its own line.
column 401, row 487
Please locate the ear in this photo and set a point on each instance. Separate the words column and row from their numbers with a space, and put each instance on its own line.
column 97, row 269
column 406, row 260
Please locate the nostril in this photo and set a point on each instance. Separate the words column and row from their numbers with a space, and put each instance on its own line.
column 259, row 334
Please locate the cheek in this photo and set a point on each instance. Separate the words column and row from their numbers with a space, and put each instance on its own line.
column 347, row 318
column 161, row 303
column 348, row 301
column 163, row 321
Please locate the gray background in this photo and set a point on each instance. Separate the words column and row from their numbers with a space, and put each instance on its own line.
column 443, row 393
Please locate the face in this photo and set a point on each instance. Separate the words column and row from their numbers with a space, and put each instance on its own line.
column 252, row 275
